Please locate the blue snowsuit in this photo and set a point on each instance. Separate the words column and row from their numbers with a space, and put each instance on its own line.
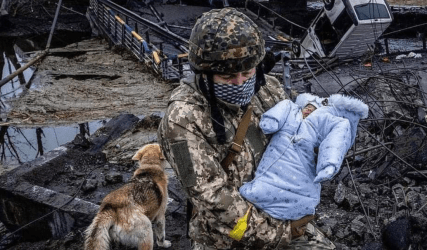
column 283, row 185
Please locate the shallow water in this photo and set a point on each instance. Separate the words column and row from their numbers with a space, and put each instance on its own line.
column 21, row 144
column 26, row 145
column 14, row 87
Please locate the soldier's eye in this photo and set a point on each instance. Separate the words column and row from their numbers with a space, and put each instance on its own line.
column 249, row 72
column 227, row 77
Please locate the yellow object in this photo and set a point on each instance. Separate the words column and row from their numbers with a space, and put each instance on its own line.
column 120, row 20
column 137, row 36
column 156, row 57
column 241, row 226
column 281, row 38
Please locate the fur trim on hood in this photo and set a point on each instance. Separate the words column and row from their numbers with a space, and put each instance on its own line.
column 349, row 104
column 351, row 108
column 306, row 98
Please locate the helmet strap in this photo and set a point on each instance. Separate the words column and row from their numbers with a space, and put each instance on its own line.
column 260, row 77
column 216, row 116
column 202, row 86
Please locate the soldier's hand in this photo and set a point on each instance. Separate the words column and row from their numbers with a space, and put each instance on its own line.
column 298, row 231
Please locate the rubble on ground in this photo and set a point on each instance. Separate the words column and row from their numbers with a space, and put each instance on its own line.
column 73, row 182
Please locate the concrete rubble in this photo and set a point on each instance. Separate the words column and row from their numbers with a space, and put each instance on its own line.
column 69, row 184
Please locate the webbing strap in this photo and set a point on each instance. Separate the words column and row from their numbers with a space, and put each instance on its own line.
column 236, row 145
column 298, row 226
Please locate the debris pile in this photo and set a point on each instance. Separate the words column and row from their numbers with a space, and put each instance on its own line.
column 82, row 175
column 379, row 197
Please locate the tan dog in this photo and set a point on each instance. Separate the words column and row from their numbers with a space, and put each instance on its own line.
column 126, row 214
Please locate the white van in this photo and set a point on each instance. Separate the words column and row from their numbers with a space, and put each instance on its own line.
column 344, row 28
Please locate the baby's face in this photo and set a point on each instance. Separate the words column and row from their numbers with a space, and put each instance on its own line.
column 308, row 109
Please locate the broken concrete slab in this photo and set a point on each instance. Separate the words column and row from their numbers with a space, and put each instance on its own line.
column 345, row 197
column 415, row 200
column 122, row 149
column 113, row 177
column 52, row 183
column 327, row 225
column 21, row 202
column 340, row 193
column 411, row 144
column 29, row 192
column 358, row 226
column 112, row 130
column 90, row 185
column 343, row 233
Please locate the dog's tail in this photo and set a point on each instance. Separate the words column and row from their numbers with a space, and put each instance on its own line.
column 97, row 234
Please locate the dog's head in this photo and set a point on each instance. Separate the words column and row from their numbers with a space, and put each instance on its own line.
column 149, row 152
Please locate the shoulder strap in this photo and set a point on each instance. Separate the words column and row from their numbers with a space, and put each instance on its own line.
column 236, row 145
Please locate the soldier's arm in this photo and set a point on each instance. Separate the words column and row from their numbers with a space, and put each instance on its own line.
column 197, row 165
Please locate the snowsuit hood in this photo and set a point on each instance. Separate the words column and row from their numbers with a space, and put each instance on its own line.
column 349, row 108
column 306, row 98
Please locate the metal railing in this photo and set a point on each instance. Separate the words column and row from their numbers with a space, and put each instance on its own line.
column 114, row 22
column 121, row 26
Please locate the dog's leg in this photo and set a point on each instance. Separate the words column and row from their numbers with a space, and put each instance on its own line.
column 160, row 233
column 147, row 243
column 145, row 235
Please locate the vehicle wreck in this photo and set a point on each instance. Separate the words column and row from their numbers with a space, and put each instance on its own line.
column 344, row 29
column 381, row 191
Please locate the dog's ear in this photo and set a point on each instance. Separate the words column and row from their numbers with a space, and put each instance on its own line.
column 150, row 151
column 138, row 155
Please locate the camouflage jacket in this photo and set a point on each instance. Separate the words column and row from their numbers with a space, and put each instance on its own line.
column 189, row 144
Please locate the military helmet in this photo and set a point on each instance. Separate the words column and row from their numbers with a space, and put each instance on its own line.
column 225, row 41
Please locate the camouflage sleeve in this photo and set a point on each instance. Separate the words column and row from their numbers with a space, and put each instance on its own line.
column 275, row 89
column 218, row 203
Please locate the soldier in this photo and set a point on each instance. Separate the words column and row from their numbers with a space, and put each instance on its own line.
column 202, row 134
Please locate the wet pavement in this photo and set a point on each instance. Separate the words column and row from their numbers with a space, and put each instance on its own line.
column 26, row 140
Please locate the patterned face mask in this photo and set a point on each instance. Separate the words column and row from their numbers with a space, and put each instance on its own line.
column 236, row 94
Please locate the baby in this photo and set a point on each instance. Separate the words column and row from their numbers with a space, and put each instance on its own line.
column 287, row 180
